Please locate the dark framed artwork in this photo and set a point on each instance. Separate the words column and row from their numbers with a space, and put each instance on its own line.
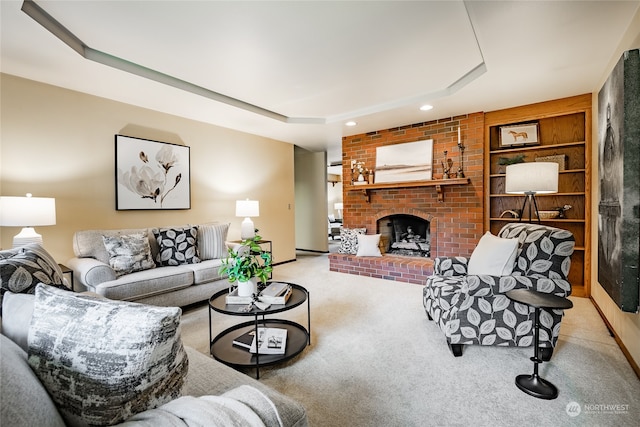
column 151, row 175
column 619, row 205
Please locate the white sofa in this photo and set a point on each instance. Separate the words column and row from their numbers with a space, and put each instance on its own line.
column 179, row 285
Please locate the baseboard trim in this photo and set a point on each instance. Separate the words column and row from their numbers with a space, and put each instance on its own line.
column 284, row 262
column 312, row 250
column 626, row 353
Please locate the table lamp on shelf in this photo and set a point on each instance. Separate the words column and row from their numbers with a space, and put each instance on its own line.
column 530, row 179
column 247, row 209
column 27, row 212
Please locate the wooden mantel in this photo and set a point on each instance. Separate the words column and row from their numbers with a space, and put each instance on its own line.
column 438, row 183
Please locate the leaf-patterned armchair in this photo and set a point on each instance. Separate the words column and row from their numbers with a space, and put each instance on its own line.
column 474, row 310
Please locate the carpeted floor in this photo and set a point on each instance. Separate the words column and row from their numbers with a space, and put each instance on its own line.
column 375, row 360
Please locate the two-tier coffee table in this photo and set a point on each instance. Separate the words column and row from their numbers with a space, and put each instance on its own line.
column 222, row 348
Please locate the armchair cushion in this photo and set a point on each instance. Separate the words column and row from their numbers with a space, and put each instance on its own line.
column 493, row 256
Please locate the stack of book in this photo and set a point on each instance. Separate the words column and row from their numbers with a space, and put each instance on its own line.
column 269, row 341
column 275, row 293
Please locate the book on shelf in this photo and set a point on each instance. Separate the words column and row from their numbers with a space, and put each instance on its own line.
column 270, row 341
column 245, row 340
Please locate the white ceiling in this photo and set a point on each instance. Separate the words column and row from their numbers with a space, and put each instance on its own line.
column 318, row 64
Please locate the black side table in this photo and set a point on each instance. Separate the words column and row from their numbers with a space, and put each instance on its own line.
column 533, row 384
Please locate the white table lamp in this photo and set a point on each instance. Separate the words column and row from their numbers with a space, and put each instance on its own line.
column 338, row 207
column 247, row 209
column 530, row 179
column 27, row 212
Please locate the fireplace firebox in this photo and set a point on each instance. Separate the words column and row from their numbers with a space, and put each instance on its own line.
column 405, row 235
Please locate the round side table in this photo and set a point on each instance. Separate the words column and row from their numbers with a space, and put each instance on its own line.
column 533, row 384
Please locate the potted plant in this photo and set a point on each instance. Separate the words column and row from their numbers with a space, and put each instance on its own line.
column 503, row 162
column 246, row 264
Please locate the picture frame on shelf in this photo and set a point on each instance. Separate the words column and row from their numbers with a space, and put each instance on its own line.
column 151, row 175
column 521, row 134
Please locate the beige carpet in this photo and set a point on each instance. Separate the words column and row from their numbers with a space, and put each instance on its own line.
column 375, row 360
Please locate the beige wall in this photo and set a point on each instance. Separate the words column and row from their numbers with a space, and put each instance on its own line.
column 59, row 143
column 625, row 325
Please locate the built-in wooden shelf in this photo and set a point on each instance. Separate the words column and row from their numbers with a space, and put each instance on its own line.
column 438, row 183
column 564, row 129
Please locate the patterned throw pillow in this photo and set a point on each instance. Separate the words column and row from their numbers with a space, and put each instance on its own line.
column 211, row 238
column 349, row 240
column 177, row 246
column 21, row 269
column 129, row 253
column 102, row 360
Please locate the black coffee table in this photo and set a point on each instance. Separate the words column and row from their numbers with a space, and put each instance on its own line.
column 222, row 348
column 533, row 384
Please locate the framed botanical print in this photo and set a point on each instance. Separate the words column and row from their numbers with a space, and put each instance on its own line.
column 151, row 175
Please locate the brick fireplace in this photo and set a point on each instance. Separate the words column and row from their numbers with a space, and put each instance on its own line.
column 455, row 223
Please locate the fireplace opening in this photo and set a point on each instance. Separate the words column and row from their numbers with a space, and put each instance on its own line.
column 406, row 235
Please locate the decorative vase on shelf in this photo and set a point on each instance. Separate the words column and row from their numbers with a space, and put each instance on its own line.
column 360, row 178
column 248, row 288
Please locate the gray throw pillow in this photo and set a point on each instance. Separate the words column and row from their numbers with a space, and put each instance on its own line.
column 211, row 240
column 128, row 253
column 103, row 361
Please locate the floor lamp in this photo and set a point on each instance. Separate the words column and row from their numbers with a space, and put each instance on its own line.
column 530, row 179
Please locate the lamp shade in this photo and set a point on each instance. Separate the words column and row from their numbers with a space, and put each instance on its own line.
column 338, row 206
column 532, row 177
column 247, row 208
column 27, row 211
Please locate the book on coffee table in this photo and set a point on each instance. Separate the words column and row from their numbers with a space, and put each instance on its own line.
column 276, row 293
column 245, row 340
column 270, row 341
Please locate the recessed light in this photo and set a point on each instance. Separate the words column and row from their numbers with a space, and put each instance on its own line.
column 351, row 123
column 426, row 107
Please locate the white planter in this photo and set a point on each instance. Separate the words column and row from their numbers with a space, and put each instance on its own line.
column 248, row 288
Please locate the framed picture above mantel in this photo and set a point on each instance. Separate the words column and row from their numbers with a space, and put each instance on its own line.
column 151, row 175
column 411, row 161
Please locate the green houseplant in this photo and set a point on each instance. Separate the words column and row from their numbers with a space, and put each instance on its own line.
column 246, row 263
